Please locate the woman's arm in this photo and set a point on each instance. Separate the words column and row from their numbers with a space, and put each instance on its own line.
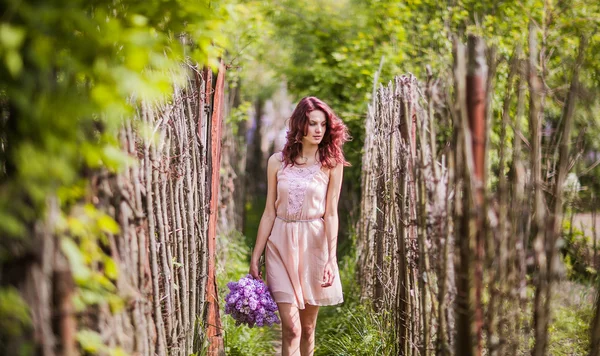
column 332, row 221
column 268, row 216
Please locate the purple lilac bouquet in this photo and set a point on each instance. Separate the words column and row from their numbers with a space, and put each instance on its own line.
column 249, row 302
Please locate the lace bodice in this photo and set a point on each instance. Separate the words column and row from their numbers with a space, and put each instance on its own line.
column 299, row 182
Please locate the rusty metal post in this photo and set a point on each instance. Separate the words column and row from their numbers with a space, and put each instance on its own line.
column 213, row 332
column 476, row 109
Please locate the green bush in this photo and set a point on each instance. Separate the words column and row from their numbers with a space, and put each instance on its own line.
column 578, row 254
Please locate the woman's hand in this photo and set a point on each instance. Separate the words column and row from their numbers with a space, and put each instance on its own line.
column 329, row 274
column 255, row 270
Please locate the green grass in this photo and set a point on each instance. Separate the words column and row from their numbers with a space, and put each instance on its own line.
column 351, row 328
column 572, row 313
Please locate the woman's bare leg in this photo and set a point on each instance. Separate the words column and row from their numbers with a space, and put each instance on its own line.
column 290, row 329
column 308, row 320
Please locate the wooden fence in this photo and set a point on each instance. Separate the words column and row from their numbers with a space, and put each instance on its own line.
column 443, row 257
column 165, row 205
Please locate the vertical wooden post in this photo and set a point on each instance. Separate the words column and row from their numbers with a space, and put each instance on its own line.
column 476, row 99
column 64, row 290
column 476, row 94
column 213, row 332
column 594, row 236
column 204, row 102
column 462, row 205
column 539, row 221
column 378, row 284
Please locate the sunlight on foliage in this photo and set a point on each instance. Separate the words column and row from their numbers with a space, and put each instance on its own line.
column 91, row 342
column 71, row 73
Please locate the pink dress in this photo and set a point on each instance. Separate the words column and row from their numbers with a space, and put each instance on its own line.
column 297, row 248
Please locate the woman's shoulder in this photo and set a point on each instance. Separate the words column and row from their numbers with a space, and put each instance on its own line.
column 276, row 157
column 275, row 160
column 336, row 168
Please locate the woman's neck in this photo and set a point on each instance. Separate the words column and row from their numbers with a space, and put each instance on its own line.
column 309, row 151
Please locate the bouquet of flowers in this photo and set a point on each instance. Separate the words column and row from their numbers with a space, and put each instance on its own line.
column 249, row 302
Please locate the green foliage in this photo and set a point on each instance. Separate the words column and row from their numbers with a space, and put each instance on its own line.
column 91, row 342
column 14, row 314
column 572, row 314
column 253, row 53
column 569, row 331
column 352, row 329
column 254, row 210
column 71, row 72
column 15, row 321
column 86, row 232
column 577, row 251
column 334, row 50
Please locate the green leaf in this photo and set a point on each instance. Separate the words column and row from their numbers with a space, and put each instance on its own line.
column 76, row 260
column 110, row 268
column 116, row 303
column 14, row 312
column 108, row 224
column 139, row 20
column 90, row 341
column 14, row 63
column 10, row 224
column 11, row 37
column 117, row 352
column 177, row 264
column 116, row 159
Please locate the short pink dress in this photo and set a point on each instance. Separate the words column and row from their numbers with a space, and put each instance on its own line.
column 297, row 248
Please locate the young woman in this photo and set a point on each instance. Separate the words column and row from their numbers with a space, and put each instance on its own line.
column 299, row 226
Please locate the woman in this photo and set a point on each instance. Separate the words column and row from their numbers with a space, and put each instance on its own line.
column 300, row 223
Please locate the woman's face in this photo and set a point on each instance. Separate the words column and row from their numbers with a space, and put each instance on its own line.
column 317, row 124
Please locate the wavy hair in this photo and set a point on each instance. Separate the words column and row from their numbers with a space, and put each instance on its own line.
column 330, row 147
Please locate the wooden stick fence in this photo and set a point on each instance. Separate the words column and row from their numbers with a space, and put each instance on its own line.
column 166, row 248
column 432, row 240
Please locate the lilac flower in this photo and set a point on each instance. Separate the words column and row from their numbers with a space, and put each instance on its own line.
column 249, row 302
column 252, row 303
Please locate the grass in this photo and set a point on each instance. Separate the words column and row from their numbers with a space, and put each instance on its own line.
column 351, row 328
column 572, row 313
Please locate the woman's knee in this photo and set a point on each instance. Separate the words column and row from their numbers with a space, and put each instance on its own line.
column 308, row 331
column 291, row 331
